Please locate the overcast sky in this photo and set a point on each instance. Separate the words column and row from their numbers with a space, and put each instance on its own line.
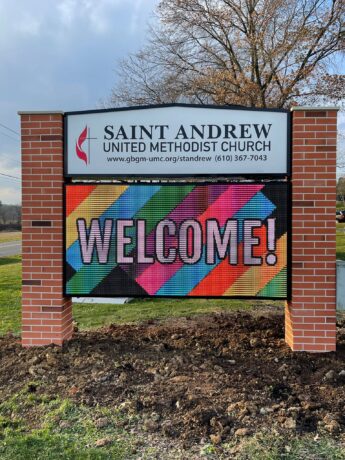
column 60, row 55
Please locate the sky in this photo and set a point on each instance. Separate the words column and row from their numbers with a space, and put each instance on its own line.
column 60, row 55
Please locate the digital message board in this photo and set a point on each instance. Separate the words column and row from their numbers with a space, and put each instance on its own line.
column 201, row 240
column 176, row 140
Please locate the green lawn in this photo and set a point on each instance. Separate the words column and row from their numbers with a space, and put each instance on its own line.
column 341, row 241
column 59, row 429
column 340, row 235
column 95, row 315
column 6, row 237
column 10, row 294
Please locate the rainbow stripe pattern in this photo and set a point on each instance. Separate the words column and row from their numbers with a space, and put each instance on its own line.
column 178, row 203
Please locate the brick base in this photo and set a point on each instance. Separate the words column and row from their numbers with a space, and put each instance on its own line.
column 310, row 316
column 46, row 325
column 46, row 314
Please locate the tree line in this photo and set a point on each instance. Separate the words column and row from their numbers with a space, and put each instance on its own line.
column 10, row 216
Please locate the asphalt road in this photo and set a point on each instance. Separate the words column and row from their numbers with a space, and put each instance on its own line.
column 10, row 249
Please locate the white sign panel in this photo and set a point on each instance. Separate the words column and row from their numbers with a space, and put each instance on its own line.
column 176, row 140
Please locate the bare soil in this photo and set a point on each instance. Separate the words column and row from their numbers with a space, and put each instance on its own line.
column 212, row 377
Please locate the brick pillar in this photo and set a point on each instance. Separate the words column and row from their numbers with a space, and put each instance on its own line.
column 46, row 313
column 310, row 316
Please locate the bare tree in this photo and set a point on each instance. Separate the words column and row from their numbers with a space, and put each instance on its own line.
column 341, row 189
column 10, row 214
column 251, row 52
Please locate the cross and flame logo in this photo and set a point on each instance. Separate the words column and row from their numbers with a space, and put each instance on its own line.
column 78, row 148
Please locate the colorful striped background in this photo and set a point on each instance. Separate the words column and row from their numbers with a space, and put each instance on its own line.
column 177, row 202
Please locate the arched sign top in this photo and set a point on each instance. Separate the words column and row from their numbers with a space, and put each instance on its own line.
column 177, row 140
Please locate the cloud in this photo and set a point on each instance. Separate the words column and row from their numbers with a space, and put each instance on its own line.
column 101, row 15
column 27, row 24
column 10, row 195
column 63, row 54
column 72, row 11
column 67, row 10
column 136, row 15
column 8, row 166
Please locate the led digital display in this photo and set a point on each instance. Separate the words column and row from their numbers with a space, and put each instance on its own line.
column 201, row 240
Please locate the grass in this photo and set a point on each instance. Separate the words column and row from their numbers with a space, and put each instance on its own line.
column 340, row 242
column 59, row 429
column 90, row 316
column 340, row 235
column 10, row 294
column 6, row 237
column 268, row 447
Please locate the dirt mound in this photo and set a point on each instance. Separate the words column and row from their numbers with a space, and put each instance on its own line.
column 210, row 377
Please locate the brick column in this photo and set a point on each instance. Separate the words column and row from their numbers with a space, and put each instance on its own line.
column 46, row 313
column 310, row 316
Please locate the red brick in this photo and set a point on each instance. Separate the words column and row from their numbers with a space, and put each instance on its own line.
column 310, row 315
column 303, row 121
column 47, row 315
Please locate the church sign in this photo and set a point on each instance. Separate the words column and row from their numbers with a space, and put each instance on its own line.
column 177, row 140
